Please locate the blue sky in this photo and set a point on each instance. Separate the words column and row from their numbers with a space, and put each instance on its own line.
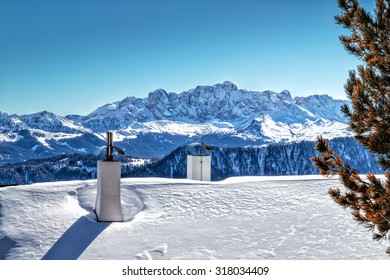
column 70, row 57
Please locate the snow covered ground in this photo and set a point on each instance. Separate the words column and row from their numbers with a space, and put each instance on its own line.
column 278, row 218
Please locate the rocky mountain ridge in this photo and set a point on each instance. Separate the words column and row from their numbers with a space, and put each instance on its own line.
column 222, row 115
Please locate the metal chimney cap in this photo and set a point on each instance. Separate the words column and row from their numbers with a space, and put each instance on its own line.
column 110, row 148
column 191, row 148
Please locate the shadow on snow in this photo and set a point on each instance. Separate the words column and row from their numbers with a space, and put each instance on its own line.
column 6, row 244
column 76, row 239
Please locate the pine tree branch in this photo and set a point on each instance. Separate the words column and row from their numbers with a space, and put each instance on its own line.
column 368, row 89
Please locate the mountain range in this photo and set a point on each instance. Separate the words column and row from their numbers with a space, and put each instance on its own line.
column 222, row 115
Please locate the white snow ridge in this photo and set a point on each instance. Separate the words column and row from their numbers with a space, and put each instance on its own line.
column 280, row 218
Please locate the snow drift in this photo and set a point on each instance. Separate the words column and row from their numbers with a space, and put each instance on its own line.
column 238, row 218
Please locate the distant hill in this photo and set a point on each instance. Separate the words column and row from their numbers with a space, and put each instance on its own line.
column 277, row 159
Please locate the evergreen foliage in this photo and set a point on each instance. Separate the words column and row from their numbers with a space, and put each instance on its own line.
column 368, row 88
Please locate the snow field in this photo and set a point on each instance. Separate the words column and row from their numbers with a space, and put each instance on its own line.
column 279, row 218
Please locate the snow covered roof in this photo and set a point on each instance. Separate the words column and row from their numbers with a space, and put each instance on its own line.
column 279, row 218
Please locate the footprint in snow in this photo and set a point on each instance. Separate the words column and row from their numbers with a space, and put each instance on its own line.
column 144, row 255
column 161, row 250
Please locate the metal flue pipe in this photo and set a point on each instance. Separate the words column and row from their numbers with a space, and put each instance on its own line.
column 109, row 150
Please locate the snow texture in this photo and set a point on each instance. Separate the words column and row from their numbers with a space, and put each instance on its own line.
column 281, row 218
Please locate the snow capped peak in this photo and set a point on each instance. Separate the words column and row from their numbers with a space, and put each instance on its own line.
column 157, row 93
column 220, row 88
column 286, row 94
column 315, row 99
column 129, row 101
column 45, row 121
column 42, row 120
column 103, row 110
column 158, row 96
column 227, row 86
column 324, row 106
column 4, row 115
column 10, row 123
